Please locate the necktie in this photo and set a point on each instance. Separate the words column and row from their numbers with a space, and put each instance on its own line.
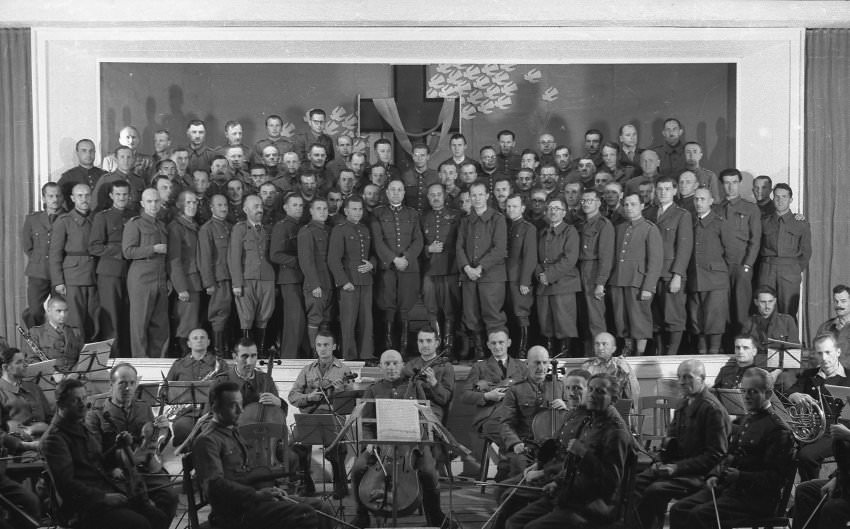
column 840, row 323
column 503, row 368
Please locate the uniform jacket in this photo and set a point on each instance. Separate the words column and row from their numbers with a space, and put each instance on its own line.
column 252, row 388
column 213, row 242
column 105, row 241
column 140, row 235
column 523, row 400
column 313, row 240
column 701, row 429
column 70, row 261
column 812, row 384
column 100, row 192
column 24, row 403
column 78, row 175
column 778, row 327
column 677, row 235
column 631, row 167
column 557, row 254
column 730, row 375
column 786, row 240
column 522, row 252
column 64, row 346
column 351, row 244
column 284, row 251
column 396, row 233
column 301, row 142
column 708, row 270
column 596, row 254
column 440, row 226
column 672, row 158
column 310, row 378
column 483, row 240
column 107, row 421
column 638, row 258
column 744, row 219
column 416, row 187
column 35, row 239
column 842, row 336
column 440, row 395
column 484, row 376
column 248, row 253
column 619, row 368
column 183, row 255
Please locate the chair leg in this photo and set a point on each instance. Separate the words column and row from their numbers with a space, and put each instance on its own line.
column 484, row 458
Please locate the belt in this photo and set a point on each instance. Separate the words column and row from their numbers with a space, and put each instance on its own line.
column 781, row 260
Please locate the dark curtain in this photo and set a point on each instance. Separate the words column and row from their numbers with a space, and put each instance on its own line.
column 16, row 170
column 827, row 203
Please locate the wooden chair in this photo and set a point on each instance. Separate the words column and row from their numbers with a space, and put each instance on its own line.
column 660, row 409
column 54, row 502
column 486, row 455
column 195, row 498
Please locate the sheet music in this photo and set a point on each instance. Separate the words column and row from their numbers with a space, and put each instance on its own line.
column 784, row 359
column 398, row 420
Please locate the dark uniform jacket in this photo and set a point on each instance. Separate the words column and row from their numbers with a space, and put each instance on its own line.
column 140, row 235
column 777, row 326
column 786, row 240
column 78, row 175
column 252, row 388
column 183, row 255
column 396, row 233
column 677, row 235
column 596, row 254
column 638, row 258
column 100, row 192
column 105, row 241
column 730, row 375
column 744, row 219
column 701, row 430
column 484, row 376
column 64, row 346
column 522, row 402
column 440, row 226
column 707, row 269
column 557, row 251
column 283, row 251
column 248, row 254
column 313, row 240
column 70, row 261
column 672, row 158
column 35, row 239
column 416, row 187
column 213, row 241
column 301, row 142
column 522, row 252
column 810, row 383
column 440, row 395
column 351, row 244
column 842, row 337
column 483, row 240
column 107, row 421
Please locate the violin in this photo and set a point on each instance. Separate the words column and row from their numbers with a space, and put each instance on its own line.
column 381, row 492
column 327, row 388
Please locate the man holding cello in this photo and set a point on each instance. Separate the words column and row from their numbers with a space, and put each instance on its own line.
column 254, row 385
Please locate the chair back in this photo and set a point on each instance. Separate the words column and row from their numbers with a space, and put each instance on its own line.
column 660, row 409
column 195, row 499
column 54, row 501
column 627, row 484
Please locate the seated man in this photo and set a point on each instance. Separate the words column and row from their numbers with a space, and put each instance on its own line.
column 597, row 443
column 838, row 325
column 76, row 463
column 241, row 497
column 748, row 482
column 255, row 385
column 698, row 440
column 769, row 323
column 393, row 386
column 24, row 405
column 810, row 389
column 438, row 375
column 122, row 419
column 835, row 511
column 55, row 339
column 730, row 375
column 604, row 347
column 314, row 385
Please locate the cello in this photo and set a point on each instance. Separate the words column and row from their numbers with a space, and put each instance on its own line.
column 547, row 423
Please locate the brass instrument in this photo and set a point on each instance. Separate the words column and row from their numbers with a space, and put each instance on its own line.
column 34, row 346
column 186, row 447
column 807, row 420
column 174, row 411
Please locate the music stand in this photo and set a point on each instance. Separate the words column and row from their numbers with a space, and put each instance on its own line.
column 783, row 354
column 188, row 392
column 317, row 429
column 732, row 400
column 343, row 402
column 94, row 358
column 148, row 392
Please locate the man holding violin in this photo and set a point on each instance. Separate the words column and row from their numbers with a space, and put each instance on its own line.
column 313, row 387
column 122, row 419
column 436, row 373
column 254, row 385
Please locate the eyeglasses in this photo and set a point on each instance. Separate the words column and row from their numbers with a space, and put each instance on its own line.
column 588, row 200
column 555, row 208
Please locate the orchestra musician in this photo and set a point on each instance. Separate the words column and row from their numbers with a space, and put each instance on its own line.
column 55, row 338
column 697, row 440
column 314, row 385
column 76, row 463
column 255, row 385
column 25, row 407
column 597, row 443
column 525, row 399
column 123, row 414
column 835, row 511
column 199, row 364
column 238, row 500
column 730, row 375
column 748, row 481
column 393, row 386
column 809, row 389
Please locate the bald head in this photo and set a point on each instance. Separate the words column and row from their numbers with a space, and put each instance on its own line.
column 391, row 364
column 604, row 345
column 691, row 376
column 538, row 363
column 538, row 351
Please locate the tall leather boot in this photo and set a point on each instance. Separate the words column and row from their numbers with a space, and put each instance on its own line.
column 564, row 350
column 338, row 470
column 675, row 342
column 308, row 488
column 464, row 348
column 550, row 346
column 522, row 353
column 312, row 332
column 436, row 326
column 388, row 329
column 219, row 344
column 402, row 344
column 246, row 333
column 260, row 339
column 449, row 340
column 477, row 346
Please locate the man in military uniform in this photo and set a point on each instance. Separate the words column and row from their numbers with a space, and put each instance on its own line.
column 835, row 510
column 86, row 172
column 708, row 282
column 677, row 235
column 213, row 243
column 748, row 481
column 351, row 262
column 508, row 160
column 105, row 243
column 481, row 253
column 55, row 339
column 744, row 219
column 595, row 261
column 604, row 361
column 440, row 291
column 786, row 246
column 520, row 265
column 183, row 268
column 254, row 385
column 123, row 171
column 838, row 325
column 438, row 376
column 200, row 154
column 398, row 243
column 672, row 151
column 731, row 374
column 72, row 268
column 418, row 179
column 283, row 251
column 35, row 239
column 762, row 188
column 145, row 245
column 143, row 164
column 274, row 130
column 251, row 272
column 313, row 241
column 314, row 135
column 558, row 279
column 768, row 323
column 637, row 267
column 699, row 432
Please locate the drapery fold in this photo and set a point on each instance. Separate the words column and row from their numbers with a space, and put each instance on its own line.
column 827, row 166
column 16, row 170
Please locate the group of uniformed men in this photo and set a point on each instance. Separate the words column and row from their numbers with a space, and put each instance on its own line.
column 643, row 242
